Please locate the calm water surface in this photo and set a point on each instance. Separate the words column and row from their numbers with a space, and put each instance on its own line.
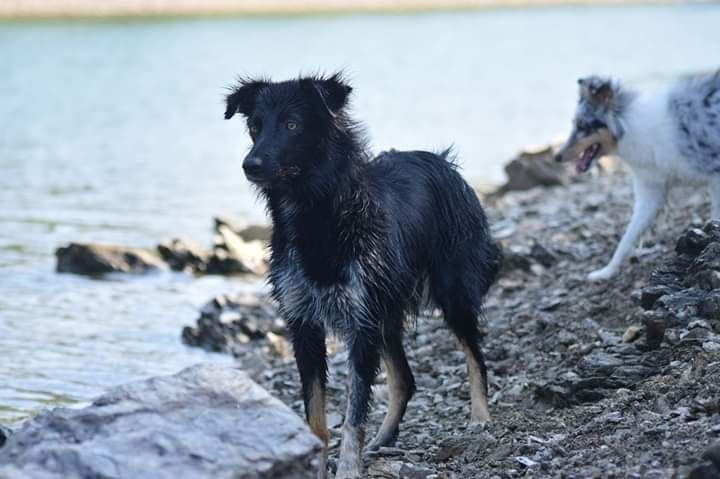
column 113, row 132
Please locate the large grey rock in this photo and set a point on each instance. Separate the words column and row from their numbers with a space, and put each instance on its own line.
column 94, row 259
column 208, row 421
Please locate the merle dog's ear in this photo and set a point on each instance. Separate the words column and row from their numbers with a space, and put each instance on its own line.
column 242, row 98
column 596, row 90
column 332, row 92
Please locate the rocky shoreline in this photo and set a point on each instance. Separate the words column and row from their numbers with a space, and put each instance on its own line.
column 613, row 379
column 205, row 421
column 236, row 250
column 616, row 379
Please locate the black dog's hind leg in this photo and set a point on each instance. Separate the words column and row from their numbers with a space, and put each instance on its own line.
column 455, row 291
column 363, row 362
column 401, row 386
column 310, row 354
column 463, row 321
column 466, row 330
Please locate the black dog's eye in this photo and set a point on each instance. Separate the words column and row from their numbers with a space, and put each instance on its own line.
column 291, row 125
column 254, row 129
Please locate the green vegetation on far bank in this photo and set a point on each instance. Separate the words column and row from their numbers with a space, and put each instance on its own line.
column 115, row 9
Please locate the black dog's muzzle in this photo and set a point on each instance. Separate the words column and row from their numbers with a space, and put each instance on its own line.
column 253, row 168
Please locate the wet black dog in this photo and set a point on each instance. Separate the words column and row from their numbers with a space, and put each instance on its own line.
column 355, row 241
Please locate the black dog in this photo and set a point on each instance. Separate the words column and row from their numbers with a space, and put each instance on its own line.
column 355, row 241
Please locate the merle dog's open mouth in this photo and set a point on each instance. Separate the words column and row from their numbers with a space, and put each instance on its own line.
column 587, row 157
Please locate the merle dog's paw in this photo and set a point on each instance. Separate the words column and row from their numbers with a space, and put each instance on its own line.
column 348, row 472
column 602, row 274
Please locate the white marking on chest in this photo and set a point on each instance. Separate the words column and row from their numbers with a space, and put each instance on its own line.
column 340, row 307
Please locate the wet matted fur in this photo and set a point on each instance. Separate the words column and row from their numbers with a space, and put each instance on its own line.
column 356, row 240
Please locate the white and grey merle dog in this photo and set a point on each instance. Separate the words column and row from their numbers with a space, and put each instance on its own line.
column 666, row 137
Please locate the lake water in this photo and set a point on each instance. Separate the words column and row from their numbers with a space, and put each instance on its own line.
column 113, row 132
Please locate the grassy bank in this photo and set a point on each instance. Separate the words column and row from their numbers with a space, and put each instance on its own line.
column 144, row 8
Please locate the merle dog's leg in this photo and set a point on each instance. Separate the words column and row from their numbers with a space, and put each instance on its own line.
column 401, row 386
column 363, row 364
column 649, row 198
column 715, row 195
column 310, row 354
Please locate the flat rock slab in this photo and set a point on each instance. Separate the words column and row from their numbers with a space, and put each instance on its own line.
column 207, row 421
column 95, row 259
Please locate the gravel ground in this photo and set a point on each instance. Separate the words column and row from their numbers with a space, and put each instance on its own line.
column 582, row 384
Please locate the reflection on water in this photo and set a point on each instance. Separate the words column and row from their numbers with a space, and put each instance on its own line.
column 113, row 132
column 65, row 338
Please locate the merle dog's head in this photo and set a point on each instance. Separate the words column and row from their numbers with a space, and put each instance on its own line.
column 597, row 125
column 291, row 124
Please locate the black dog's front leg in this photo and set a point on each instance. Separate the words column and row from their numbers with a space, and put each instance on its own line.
column 363, row 364
column 311, row 357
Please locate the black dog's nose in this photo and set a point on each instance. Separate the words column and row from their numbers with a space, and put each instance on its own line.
column 558, row 157
column 252, row 166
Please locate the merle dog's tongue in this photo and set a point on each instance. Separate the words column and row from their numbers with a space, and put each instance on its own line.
column 585, row 161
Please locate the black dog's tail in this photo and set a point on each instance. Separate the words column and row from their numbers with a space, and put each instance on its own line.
column 463, row 227
column 443, row 220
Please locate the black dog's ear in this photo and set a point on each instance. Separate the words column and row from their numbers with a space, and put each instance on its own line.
column 335, row 91
column 332, row 92
column 242, row 98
